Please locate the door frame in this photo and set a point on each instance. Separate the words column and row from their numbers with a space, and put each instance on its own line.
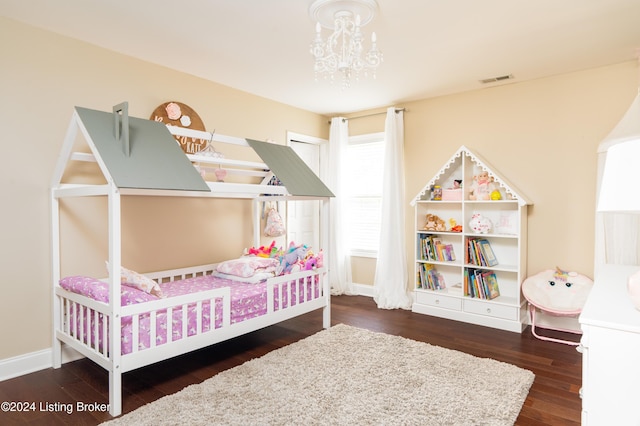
column 323, row 149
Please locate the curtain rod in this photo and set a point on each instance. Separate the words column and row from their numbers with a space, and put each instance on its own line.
column 369, row 115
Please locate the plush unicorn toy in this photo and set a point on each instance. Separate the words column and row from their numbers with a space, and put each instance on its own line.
column 291, row 257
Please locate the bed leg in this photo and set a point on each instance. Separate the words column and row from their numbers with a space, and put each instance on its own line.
column 56, row 346
column 57, row 353
column 326, row 315
column 115, row 393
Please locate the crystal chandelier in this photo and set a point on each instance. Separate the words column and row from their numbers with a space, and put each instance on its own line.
column 343, row 51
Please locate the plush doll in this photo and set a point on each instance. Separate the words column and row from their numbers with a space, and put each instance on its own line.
column 481, row 187
column 480, row 224
column 434, row 223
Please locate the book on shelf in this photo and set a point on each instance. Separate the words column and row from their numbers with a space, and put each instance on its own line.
column 430, row 279
column 492, row 286
column 487, row 252
column 480, row 288
column 465, row 283
column 479, row 252
column 432, row 248
column 480, row 284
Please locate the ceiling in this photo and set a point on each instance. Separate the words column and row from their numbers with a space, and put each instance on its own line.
column 431, row 47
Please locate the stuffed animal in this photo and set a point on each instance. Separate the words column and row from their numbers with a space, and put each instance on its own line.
column 291, row 257
column 263, row 251
column 480, row 224
column 454, row 225
column 481, row 187
column 310, row 261
column 434, row 223
column 320, row 259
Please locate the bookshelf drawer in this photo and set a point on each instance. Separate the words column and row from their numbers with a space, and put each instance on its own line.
column 439, row 300
column 491, row 309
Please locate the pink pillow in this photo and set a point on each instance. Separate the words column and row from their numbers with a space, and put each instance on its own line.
column 99, row 290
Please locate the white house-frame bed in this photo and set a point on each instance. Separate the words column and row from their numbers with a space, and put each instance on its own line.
column 94, row 328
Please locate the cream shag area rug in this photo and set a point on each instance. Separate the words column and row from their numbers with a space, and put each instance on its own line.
column 349, row 376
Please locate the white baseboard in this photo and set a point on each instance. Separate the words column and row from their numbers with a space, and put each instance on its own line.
column 363, row 289
column 34, row 361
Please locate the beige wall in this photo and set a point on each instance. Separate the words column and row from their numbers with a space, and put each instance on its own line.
column 541, row 135
column 43, row 77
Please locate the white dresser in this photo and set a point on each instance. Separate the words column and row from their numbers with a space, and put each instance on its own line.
column 611, row 351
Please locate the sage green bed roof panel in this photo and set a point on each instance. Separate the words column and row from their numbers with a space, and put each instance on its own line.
column 294, row 173
column 155, row 160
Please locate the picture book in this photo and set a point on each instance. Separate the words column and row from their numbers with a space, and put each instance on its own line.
column 487, row 252
column 491, row 281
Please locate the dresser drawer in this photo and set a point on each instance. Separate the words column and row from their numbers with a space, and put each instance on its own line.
column 492, row 309
column 439, row 300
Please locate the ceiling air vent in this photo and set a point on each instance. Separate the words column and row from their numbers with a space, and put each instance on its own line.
column 497, row 79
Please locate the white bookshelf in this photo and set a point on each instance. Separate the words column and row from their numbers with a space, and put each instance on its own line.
column 507, row 238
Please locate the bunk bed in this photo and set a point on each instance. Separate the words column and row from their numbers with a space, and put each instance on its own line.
column 200, row 307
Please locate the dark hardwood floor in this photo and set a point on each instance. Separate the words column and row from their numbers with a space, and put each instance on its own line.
column 552, row 400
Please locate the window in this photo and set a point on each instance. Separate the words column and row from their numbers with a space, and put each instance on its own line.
column 363, row 188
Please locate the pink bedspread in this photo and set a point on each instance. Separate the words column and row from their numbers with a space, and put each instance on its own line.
column 247, row 301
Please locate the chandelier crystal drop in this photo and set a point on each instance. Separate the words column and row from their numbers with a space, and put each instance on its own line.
column 343, row 53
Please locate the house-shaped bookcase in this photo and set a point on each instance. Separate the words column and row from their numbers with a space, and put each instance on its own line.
column 457, row 214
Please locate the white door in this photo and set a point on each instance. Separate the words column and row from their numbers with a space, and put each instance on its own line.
column 303, row 217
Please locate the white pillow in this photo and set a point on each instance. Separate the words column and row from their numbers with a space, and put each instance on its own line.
column 136, row 280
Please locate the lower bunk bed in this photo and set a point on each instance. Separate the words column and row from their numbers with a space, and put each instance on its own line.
column 197, row 307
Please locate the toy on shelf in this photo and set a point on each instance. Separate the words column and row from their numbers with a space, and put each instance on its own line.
column 481, row 187
column 480, row 224
column 454, row 225
column 436, row 193
column 434, row 223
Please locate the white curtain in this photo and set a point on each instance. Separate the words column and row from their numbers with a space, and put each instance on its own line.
column 339, row 258
column 390, row 282
column 618, row 234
